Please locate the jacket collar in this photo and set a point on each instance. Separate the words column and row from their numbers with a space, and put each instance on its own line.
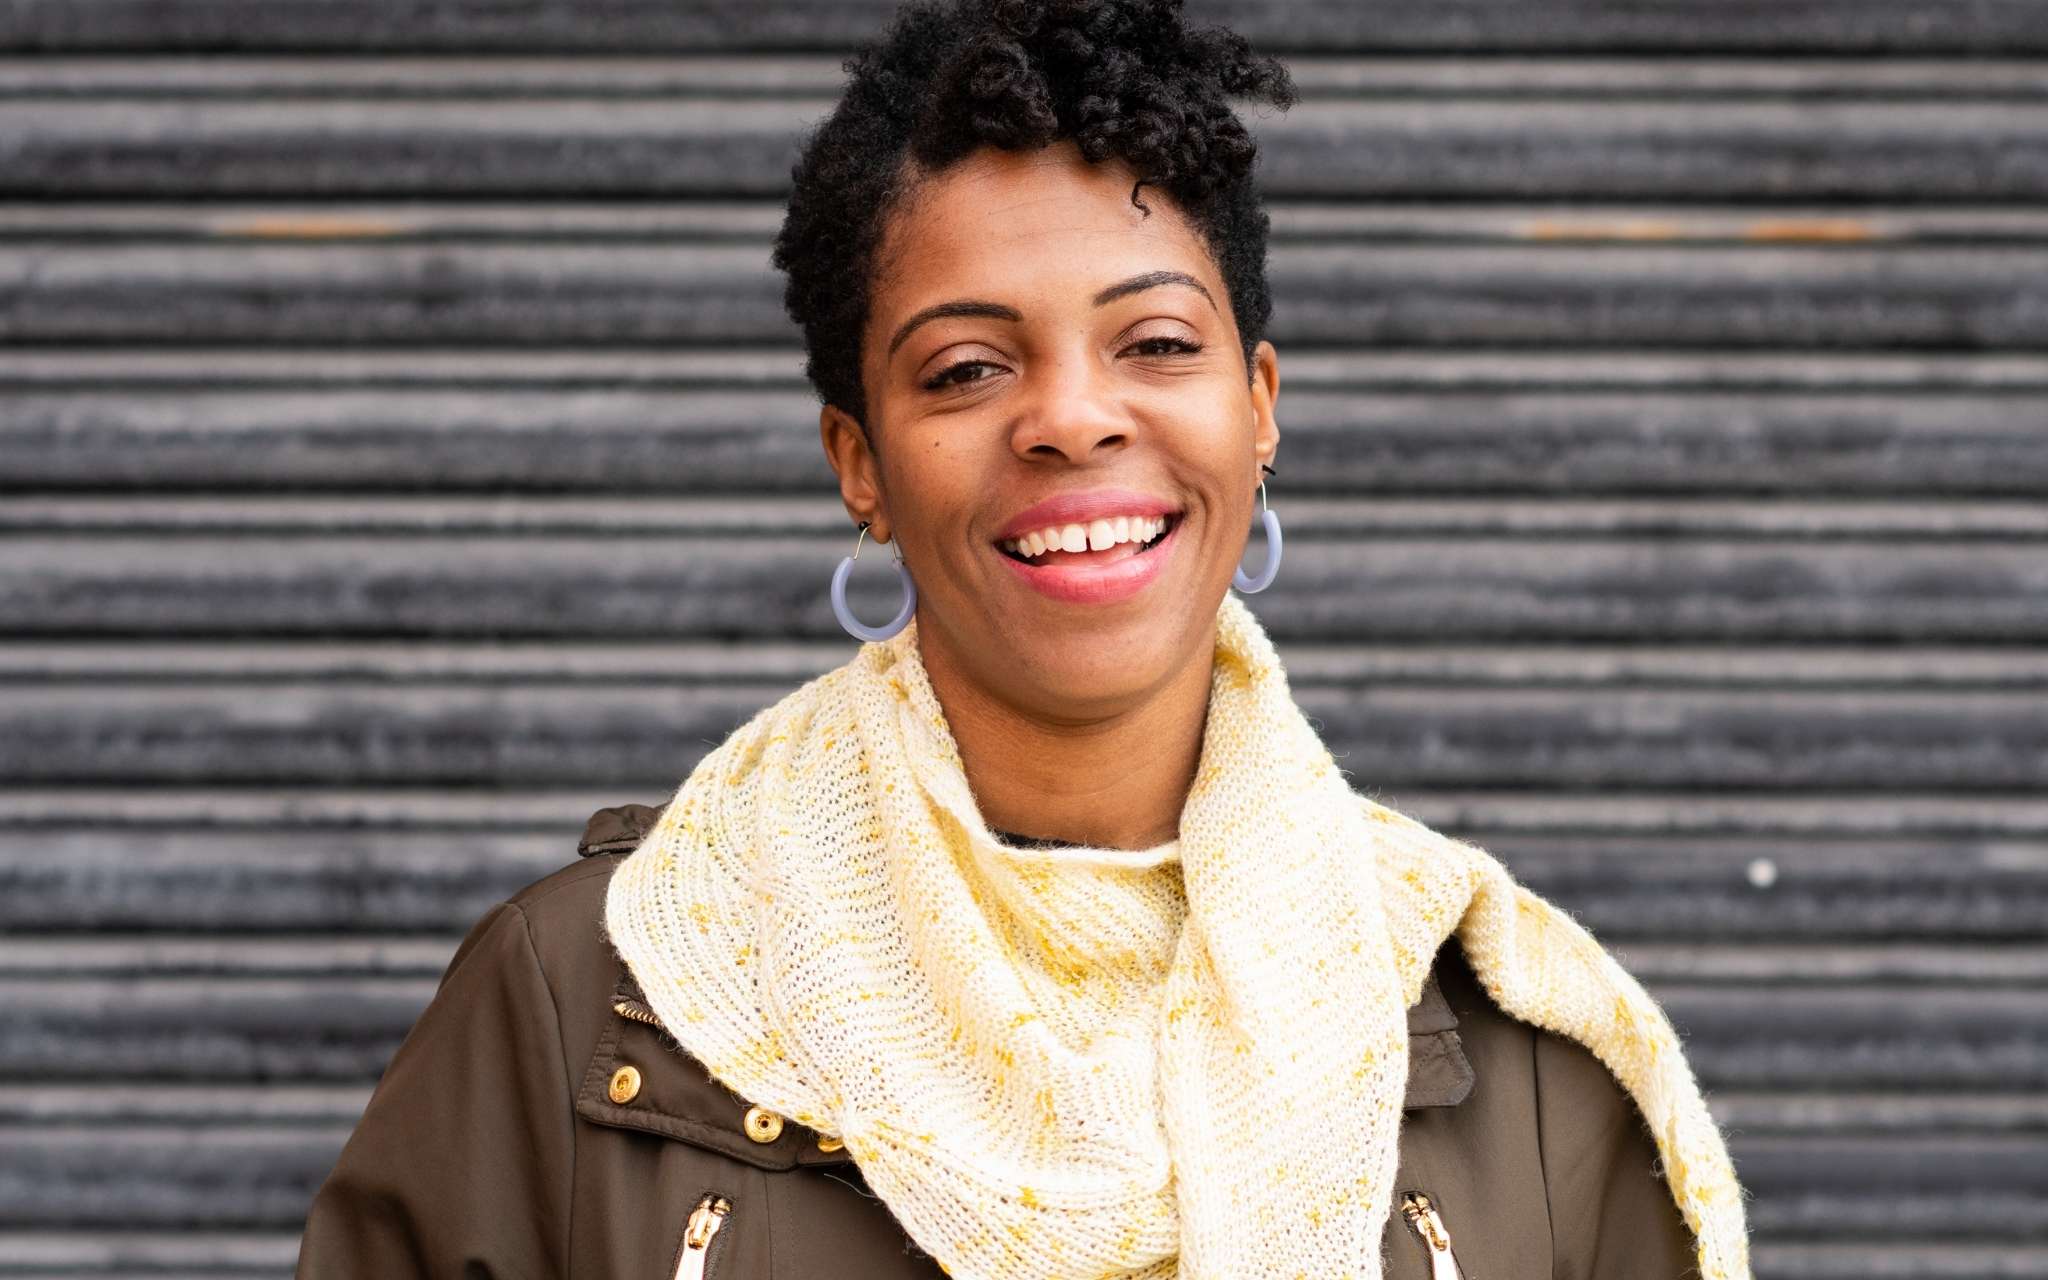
column 1439, row 1074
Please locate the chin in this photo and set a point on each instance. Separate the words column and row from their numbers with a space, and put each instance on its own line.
column 1097, row 670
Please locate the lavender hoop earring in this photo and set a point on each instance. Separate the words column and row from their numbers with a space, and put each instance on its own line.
column 1271, row 569
column 854, row 626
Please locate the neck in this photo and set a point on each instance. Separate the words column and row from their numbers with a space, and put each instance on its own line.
column 1117, row 780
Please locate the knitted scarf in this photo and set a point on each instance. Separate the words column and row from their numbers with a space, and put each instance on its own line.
column 1056, row 1067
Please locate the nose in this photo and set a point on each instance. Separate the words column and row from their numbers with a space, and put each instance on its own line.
column 1073, row 414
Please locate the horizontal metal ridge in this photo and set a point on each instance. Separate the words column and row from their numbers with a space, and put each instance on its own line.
column 1987, row 27
column 228, row 1105
column 193, row 664
column 1471, row 442
column 751, row 515
column 1312, row 367
column 316, row 958
column 1847, row 1111
column 1889, row 1184
column 1984, row 886
column 170, row 76
column 185, row 1252
column 1932, row 1254
column 1359, row 588
column 1805, row 1035
column 1935, row 1252
column 1623, row 735
column 247, row 956
column 687, row 220
column 1530, row 295
column 1756, row 147
column 155, row 1004
column 260, row 1105
column 206, row 809
column 1772, row 963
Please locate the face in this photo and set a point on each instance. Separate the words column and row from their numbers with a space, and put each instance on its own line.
column 1066, row 440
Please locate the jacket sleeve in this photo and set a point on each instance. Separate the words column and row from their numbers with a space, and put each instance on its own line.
column 460, row 1164
column 1612, row 1214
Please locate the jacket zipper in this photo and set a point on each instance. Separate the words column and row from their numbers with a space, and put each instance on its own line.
column 711, row 1211
column 627, row 1009
column 1436, row 1237
column 705, row 1220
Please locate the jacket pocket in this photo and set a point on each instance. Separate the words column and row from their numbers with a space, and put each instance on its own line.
column 1428, row 1221
column 671, row 1094
column 693, row 1251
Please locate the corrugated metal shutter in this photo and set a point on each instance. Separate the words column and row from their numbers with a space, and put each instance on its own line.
column 403, row 453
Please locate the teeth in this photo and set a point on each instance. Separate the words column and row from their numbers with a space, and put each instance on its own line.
column 1096, row 535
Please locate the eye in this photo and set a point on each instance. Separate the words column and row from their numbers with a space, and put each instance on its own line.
column 952, row 376
column 1164, row 345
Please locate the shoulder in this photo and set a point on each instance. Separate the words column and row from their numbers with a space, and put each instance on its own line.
column 608, row 835
column 566, row 895
column 547, row 940
column 563, row 911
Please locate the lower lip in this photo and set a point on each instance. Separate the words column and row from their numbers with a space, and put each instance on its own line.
column 1097, row 584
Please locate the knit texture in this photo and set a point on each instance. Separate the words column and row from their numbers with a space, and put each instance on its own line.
column 1058, row 1063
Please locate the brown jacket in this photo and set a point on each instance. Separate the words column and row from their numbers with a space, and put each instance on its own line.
column 537, row 1122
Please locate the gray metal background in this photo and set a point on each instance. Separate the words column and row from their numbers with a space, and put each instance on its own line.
column 403, row 453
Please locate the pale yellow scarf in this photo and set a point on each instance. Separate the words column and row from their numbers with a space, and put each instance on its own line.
column 1059, row 1067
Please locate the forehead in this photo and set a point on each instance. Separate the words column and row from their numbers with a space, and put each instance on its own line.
column 1008, row 225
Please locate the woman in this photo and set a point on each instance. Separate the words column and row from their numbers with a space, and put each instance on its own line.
column 1043, row 938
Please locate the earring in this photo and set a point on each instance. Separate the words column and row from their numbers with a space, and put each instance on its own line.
column 854, row 626
column 1271, row 568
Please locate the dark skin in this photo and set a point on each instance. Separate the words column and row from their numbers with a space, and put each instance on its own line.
column 1076, row 721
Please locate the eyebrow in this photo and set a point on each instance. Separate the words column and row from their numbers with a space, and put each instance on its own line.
column 1152, row 280
column 997, row 311
column 945, row 310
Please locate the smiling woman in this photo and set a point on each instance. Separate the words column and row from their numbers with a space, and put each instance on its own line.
column 1045, row 358
column 1043, row 938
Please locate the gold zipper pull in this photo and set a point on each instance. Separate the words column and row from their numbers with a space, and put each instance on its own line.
column 705, row 1220
column 1429, row 1224
column 627, row 1009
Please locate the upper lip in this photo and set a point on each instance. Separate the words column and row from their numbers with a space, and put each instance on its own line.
column 1080, row 508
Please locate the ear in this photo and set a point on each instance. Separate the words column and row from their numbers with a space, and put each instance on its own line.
column 860, row 474
column 1265, row 391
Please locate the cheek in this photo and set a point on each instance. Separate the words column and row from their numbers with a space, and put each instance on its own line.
column 934, row 488
column 1210, row 425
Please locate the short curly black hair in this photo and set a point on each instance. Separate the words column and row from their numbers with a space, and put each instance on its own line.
column 1128, row 79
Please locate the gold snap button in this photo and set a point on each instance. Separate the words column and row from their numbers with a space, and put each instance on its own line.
column 625, row 1085
column 829, row 1144
column 763, row 1125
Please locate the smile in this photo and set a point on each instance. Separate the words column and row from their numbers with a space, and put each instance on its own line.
column 1060, row 544
column 1102, row 561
